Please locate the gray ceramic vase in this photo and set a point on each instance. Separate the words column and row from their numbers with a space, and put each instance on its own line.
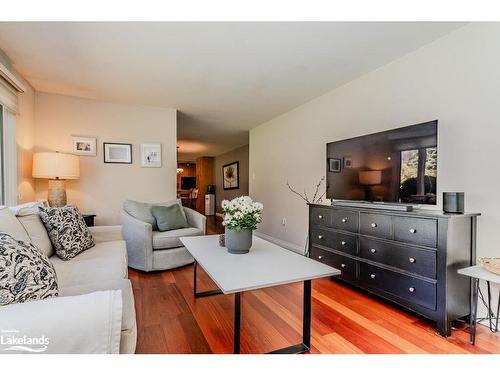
column 238, row 241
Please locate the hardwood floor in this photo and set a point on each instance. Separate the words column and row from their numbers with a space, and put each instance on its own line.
column 344, row 320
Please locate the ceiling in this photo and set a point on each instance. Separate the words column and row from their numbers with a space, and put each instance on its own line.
column 224, row 78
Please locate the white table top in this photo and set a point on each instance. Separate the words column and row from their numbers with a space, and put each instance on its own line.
column 265, row 265
column 479, row 272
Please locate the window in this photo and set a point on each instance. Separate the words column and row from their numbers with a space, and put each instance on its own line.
column 2, row 182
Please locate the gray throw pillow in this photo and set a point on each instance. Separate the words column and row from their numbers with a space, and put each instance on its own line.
column 26, row 274
column 142, row 211
column 67, row 230
column 169, row 217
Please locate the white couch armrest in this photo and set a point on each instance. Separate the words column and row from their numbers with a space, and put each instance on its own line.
column 106, row 233
column 88, row 324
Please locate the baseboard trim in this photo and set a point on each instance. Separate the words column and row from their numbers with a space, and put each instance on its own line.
column 219, row 214
column 287, row 245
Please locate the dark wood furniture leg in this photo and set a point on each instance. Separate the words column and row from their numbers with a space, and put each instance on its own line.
column 205, row 293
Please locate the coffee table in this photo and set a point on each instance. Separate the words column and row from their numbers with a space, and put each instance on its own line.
column 266, row 265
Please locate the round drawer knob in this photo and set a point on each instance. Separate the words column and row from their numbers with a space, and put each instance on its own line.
column 320, row 256
column 411, row 289
column 343, row 243
column 413, row 230
column 373, row 251
column 373, row 225
column 320, row 236
column 372, row 276
column 344, row 220
column 320, row 217
column 342, row 265
column 412, row 260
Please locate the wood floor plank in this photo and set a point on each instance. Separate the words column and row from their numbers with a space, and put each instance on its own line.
column 344, row 320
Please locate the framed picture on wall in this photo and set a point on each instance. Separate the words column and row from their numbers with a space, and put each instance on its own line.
column 151, row 155
column 231, row 176
column 118, row 153
column 85, row 146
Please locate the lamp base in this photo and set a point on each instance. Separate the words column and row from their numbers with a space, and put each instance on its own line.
column 57, row 193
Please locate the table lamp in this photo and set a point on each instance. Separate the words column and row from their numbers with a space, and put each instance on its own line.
column 57, row 167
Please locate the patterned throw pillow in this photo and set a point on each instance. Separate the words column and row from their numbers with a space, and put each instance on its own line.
column 67, row 230
column 26, row 274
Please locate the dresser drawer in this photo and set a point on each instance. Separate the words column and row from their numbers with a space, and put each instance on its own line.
column 411, row 259
column 346, row 220
column 347, row 266
column 321, row 216
column 408, row 288
column 418, row 231
column 345, row 243
column 376, row 225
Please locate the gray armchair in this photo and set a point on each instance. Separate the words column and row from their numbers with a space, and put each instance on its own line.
column 151, row 250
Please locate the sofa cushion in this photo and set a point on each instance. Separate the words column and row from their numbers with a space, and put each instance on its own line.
column 169, row 217
column 26, row 274
column 10, row 225
column 128, row 318
column 67, row 230
column 29, row 217
column 142, row 211
column 105, row 261
column 170, row 239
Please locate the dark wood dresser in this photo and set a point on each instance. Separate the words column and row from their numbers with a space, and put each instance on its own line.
column 409, row 258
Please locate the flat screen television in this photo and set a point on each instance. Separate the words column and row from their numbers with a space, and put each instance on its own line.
column 394, row 166
column 188, row 183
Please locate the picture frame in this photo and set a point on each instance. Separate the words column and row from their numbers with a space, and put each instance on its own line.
column 347, row 162
column 84, row 146
column 231, row 176
column 334, row 165
column 117, row 153
column 151, row 155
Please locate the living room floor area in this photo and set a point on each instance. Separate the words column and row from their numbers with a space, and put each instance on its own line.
column 344, row 320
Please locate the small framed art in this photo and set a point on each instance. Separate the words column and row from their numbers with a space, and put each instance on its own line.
column 231, row 176
column 151, row 155
column 85, row 146
column 118, row 153
column 334, row 165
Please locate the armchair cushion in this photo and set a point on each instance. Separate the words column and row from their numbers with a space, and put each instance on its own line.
column 169, row 217
column 170, row 239
column 26, row 274
column 67, row 230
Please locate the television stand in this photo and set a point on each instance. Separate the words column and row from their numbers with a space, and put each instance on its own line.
column 374, row 205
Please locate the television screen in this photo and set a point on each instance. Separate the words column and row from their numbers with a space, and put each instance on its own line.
column 188, row 183
column 398, row 165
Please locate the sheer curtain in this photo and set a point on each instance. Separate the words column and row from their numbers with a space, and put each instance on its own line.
column 8, row 147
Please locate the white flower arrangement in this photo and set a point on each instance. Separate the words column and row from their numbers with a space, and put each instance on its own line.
column 242, row 213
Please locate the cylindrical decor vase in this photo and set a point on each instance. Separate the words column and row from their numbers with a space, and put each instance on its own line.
column 238, row 241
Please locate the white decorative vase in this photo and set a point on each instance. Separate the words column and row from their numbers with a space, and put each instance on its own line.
column 238, row 241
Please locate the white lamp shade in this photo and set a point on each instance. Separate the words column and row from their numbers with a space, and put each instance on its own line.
column 56, row 165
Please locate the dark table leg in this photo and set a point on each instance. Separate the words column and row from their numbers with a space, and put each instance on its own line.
column 473, row 313
column 498, row 311
column 306, row 326
column 237, row 323
column 206, row 293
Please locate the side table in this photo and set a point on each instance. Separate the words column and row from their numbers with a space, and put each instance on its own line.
column 477, row 273
column 89, row 219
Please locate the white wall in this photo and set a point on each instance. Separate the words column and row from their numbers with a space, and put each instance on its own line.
column 102, row 188
column 455, row 79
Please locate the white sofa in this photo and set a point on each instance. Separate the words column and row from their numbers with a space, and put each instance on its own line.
column 95, row 310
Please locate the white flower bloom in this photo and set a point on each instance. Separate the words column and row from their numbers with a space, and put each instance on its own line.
column 224, row 204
